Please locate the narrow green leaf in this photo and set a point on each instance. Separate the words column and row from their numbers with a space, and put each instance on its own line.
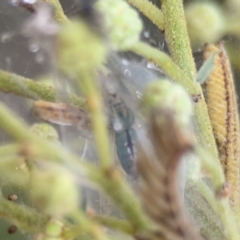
column 206, row 69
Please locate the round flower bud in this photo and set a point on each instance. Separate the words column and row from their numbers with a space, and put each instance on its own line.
column 53, row 231
column 80, row 50
column 42, row 236
column 205, row 23
column 54, row 192
column 167, row 95
column 45, row 130
column 54, row 228
column 121, row 22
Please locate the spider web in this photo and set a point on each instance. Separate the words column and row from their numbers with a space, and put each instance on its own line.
column 18, row 57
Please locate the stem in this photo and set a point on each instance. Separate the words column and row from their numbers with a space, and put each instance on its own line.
column 172, row 70
column 9, row 150
column 112, row 182
column 233, row 6
column 176, row 36
column 59, row 15
column 204, row 127
column 166, row 64
column 150, row 11
column 107, row 221
column 13, row 170
column 204, row 216
column 213, row 169
column 232, row 24
column 98, row 119
column 85, row 226
column 24, row 217
column 114, row 223
column 11, row 83
column 222, row 209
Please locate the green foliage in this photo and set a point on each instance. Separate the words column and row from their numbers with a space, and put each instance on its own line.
column 48, row 175
column 206, row 69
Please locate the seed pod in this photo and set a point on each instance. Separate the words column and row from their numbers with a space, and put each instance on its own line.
column 62, row 114
column 221, row 100
column 159, row 172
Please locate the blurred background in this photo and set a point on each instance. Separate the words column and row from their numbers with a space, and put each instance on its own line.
column 208, row 21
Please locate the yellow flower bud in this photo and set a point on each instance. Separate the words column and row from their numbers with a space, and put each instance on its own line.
column 80, row 50
column 45, row 130
column 167, row 95
column 54, row 192
column 205, row 23
column 54, row 228
column 122, row 23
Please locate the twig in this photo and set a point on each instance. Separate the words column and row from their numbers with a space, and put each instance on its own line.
column 166, row 64
column 111, row 181
column 60, row 17
column 98, row 120
column 24, row 217
column 11, row 83
column 204, row 216
column 177, row 37
column 9, row 149
column 85, row 226
column 192, row 87
column 213, row 169
column 150, row 11
column 114, row 223
column 222, row 208
column 233, row 6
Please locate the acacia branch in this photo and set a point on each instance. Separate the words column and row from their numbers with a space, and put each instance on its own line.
column 173, row 71
column 177, row 36
column 21, row 86
column 24, row 217
column 150, row 11
column 110, row 181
